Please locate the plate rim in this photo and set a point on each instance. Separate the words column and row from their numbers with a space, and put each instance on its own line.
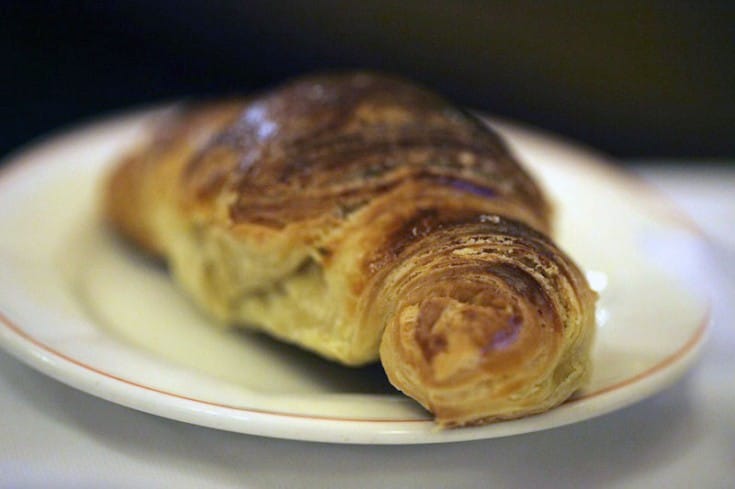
column 44, row 358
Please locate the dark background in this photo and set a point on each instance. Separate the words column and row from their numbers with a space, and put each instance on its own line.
column 634, row 79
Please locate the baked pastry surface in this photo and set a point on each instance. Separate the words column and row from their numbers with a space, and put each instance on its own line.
column 363, row 217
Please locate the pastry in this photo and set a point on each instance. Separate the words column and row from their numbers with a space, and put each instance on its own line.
column 365, row 218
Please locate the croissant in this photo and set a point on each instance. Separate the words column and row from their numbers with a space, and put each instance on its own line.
column 363, row 217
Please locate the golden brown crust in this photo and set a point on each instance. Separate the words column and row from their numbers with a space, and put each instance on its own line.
column 150, row 173
column 495, row 312
column 358, row 216
column 327, row 145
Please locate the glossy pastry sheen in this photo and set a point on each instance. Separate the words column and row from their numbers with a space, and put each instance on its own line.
column 362, row 217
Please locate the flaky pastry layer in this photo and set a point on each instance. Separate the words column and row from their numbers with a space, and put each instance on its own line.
column 363, row 218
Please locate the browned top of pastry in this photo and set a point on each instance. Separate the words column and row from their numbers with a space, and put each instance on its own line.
column 325, row 145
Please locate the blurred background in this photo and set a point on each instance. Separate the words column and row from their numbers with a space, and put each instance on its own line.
column 635, row 79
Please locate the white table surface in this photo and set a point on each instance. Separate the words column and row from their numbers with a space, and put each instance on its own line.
column 54, row 436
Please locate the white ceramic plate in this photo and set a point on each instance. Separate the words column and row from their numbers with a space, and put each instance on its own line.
column 79, row 306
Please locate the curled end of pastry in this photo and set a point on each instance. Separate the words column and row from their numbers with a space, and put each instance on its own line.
column 501, row 329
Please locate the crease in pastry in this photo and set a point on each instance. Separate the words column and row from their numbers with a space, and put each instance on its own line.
column 365, row 218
